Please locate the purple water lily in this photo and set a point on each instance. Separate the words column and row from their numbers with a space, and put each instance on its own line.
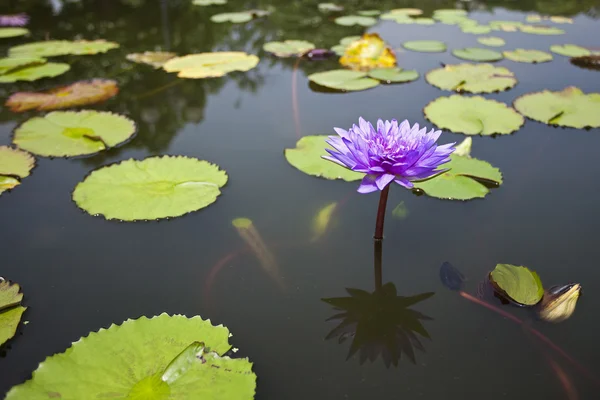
column 392, row 152
column 14, row 20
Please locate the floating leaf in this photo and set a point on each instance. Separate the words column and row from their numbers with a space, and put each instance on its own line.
column 321, row 221
column 570, row 50
column 10, row 308
column 407, row 11
column 369, row 52
column 369, row 13
column 400, row 211
column 518, row 284
column 491, row 41
column 70, row 133
column 209, row 2
column 343, row 79
column 424, row 21
column 154, row 58
column 450, row 12
column 350, row 20
column 155, row 358
column 541, row 30
column 507, row 26
column 561, row 20
column 330, row 7
column 154, row 188
column 477, row 54
column 34, row 72
column 75, row 95
column 306, row 157
column 394, row 75
column 473, row 116
column 425, row 46
column 528, row 56
column 12, row 63
column 570, row 107
column 233, row 17
column 51, row 48
column 472, row 78
column 210, row 65
column 13, row 32
column 10, row 295
column 14, row 165
column 533, row 18
column 288, row 48
column 476, row 29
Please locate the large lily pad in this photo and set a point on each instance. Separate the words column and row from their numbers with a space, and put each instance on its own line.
column 74, row 95
column 394, row 75
column 425, row 46
column 154, row 58
column 34, row 72
column 165, row 357
column 288, row 48
column 154, row 188
column 473, row 115
column 492, row 41
column 210, row 65
column 477, row 54
column 13, row 32
column 472, row 78
column 343, row 79
column 52, row 48
column 360, row 20
column 570, row 107
column 8, row 64
column 70, row 133
column 541, row 30
column 14, row 165
column 11, row 309
column 307, row 157
column 518, row 284
column 570, row 50
column 368, row 52
column 528, row 56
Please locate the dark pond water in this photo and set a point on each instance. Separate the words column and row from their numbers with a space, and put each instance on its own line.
column 80, row 273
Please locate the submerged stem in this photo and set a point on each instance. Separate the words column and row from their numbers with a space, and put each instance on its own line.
column 378, row 256
column 381, row 213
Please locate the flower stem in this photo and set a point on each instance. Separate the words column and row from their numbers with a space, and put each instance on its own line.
column 381, row 213
column 378, row 256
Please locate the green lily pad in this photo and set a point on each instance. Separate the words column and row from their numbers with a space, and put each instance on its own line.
column 306, row 157
column 394, row 75
column 424, row 21
column 425, row 46
column 477, row 54
column 165, row 357
column 570, row 107
column 8, row 64
column 14, row 165
column 476, row 29
column 570, row 50
column 369, row 13
column 463, row 181
column 473, row 115
column 154, row 188
column 51, row 48
column 233, row 17
column 472, row 78
column 518, row 284
column 343, row 79
column 210, row 65
column 505, row 25
column 330, row 7
column 450, row 11
column 13, row 32
column 528, row 56
column 491, row 41
column 350, row 20
column 34, row 72
column 73, row 133
column 11, row 309
column 209, row 2
column 407, row 11
column 288, row 48
column 541, row 30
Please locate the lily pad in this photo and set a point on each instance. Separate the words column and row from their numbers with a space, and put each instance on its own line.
column 570, row 107
column 369, row 13
column 541, row 30
column 288, row 48
column 165, row 357
column 154, row 58
column 330, row 7
column 209, row 2
column 343, row 79
column 8, row 64
column 528, row 56
column 154, row 188
column 476, row 29
column 518, row 284
column 407, row 11
column 360, row 20
column 472, row 78
column 424, row 21
column 210, row 65
column 394, row 75
column 368, row 52
column 34, row 72
column 570, row 50
column 14, row 165
column 425, row 46
column 74, row 95
column 11, row 309
column 473, row 116
column 491, row 41
column 507, row 26
column 70, row 133
column 450, row 11
column 477, row 54
column 51, row 48
column 306, row 157
column 13, row 32
column 233, row 17
column 557, row 19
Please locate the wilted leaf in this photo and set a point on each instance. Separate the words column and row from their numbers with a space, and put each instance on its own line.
column 425, row 46
column 394, row 75
column 288, row 48
column 34, row 72
column 491, row 41
column 14, row 165
column 51, row 48
column 369, row 52
column 10, row 308
column 343, row 79
column 518, row 284
column 528, row 56
column 472, row 78
column 13, row 32
column 154, row 58
column 570, row 50
column 210, row 65
column 477, row 54
column 588, row 62
column 360, row 20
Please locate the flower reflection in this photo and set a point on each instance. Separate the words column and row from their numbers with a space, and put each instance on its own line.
column 380, row 323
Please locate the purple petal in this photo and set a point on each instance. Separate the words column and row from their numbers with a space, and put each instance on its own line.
column 404, row 182
column 368, row 184
column 383, row 180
